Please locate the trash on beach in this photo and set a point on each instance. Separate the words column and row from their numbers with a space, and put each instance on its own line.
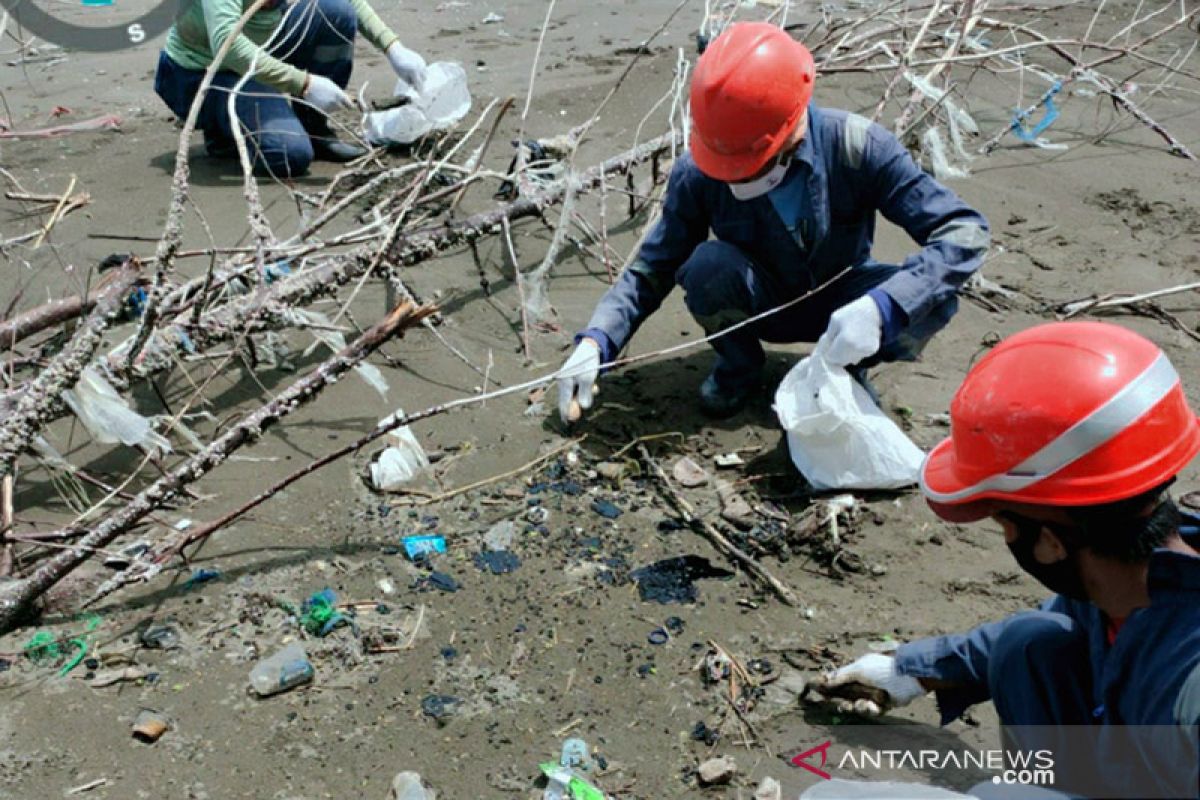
column 672, row 580
column 108, row 418
column 283, row 670
column 319, row 614
column 125, row 556
column 837, row 437
column 439, row 706
column 410, row 786
column 402, row 460
column 443, row 101
column 160, row 637
column 500, row 536
column 563, row 784
column 419, row 548
column 606, row 509
column 717, row 771
column 149, row 726
column 497, row 562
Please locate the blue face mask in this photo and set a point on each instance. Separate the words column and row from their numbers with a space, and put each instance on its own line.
column 748, row 190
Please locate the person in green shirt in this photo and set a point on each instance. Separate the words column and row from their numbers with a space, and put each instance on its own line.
column 299, row 55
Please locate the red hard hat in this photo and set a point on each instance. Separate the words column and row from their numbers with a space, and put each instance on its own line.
column 1063, row 414
column 750, row 88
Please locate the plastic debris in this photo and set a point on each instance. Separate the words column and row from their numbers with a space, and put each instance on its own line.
column 443, row 101
column 565, row 784
column 115, row 676
column 419, row 548
column 837, row 437
column 323, row 330
column 319, row 614
column 672, row 580
column 717, row 771
column 107, row 417
column 125, row 556
column 284, row 670
column 202, row 575
column 576, row 755
column 935, row 152
column 705, row 734
column 440, row 580
column 658, row 636
column 149, row 726
column 410, row 786
column 500, row 536
column 606, row 509
column 1031, row 133
column 439, row 706
column 729, row 460
column 768, row 789
column 688, row 473
column 493, row 17
column 160, row 637
column 386, row 586
column 498, row 562
column 403, row 460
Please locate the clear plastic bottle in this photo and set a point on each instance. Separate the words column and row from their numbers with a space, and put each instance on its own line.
column 286, row 668
column 558, row 787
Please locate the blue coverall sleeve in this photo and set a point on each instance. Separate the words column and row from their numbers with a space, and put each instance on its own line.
column 953, row 236
column 961, row 659
column 649, row 279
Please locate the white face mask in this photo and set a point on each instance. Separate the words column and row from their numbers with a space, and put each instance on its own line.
column 748, row 190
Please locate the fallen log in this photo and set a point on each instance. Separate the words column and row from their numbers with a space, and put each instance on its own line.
column 32, row 411
column 16, row 597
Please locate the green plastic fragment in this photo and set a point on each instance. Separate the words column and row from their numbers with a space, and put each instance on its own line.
column 43, row 648
column 578, row 787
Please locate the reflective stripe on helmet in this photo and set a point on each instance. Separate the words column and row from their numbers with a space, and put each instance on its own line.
column 1089, row 434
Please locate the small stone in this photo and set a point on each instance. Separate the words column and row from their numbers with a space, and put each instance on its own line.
column 688, row 473
column 500, row 536
column 769, row 789
column 878, row 570
column 717, row 771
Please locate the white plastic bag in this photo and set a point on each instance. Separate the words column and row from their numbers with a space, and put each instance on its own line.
column 107, row 417
column 838, row 438
column 403, row 460
column 443, row 101
column 838, row 789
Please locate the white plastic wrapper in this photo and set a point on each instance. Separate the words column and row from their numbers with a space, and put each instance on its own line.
column 107, row 417
column 838, row 789
column 444, row 101
column 838, row 438
column 403, row 460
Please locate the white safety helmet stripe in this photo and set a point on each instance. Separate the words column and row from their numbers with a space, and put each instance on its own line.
column 1087, row 435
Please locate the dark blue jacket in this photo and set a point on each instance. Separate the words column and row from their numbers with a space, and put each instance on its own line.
column 853, row 168
column 1147, row 680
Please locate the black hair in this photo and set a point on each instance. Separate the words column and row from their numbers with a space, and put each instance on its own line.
column 1123, row 530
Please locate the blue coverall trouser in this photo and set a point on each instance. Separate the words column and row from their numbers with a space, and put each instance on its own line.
column 724, row 286
column 318, row 37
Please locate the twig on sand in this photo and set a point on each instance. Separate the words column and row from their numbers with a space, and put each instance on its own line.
column 727, row 548
column 502, row 476
column 1068, row 310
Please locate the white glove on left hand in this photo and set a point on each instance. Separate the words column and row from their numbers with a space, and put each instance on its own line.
column 878, row 671
column 407, row 64
column 855, row 332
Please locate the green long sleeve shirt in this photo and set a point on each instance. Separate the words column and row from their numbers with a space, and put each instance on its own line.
column 204, row 25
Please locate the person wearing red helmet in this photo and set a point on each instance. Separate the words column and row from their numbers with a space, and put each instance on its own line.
column 790, row 192
column 1067, row 436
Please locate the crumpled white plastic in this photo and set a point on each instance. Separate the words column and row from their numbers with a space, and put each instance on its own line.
column 838, row 438
column 107, row 417
column 403, row 460
column 443, row 101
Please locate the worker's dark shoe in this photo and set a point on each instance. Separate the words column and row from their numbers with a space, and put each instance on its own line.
column 860, row 377
column 219, row 147
column 327, row 148
column 720, row 401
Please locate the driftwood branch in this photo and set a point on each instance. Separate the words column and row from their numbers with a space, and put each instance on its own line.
column 17, row 597
column 718, row 540
column 33, row 408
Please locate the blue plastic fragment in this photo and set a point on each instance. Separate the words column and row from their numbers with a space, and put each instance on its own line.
column 275, row 271
column 420, row 547
column 137, row 301
column 203, row 575
column 1030, row 134
column 606, row 509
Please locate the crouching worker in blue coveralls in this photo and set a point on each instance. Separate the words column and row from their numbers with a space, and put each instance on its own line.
column 790, row 192
column 1067, row 436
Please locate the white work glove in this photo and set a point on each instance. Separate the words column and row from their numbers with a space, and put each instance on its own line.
column 877, row 671
column 325, row 95
column 855, row 332
column 408, row 65
column 576, row 379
